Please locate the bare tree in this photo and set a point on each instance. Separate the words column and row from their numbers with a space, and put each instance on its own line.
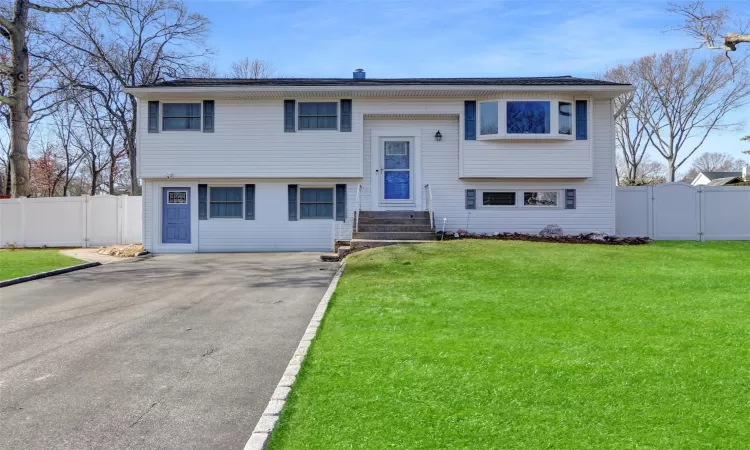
column 746, row 138
column 15, row 27
column 64, row 122
column 631, row 131
column 712, row 27
column 5, row 163
column 646, row 172
column 96, row 137
column 717, row 162
column 252, row 69
column 691, row 99
column 132, row 44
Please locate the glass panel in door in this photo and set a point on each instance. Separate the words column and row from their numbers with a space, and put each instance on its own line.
column 396, row 171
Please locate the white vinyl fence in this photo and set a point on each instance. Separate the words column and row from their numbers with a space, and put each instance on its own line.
column 679, row 211
column 86, row 221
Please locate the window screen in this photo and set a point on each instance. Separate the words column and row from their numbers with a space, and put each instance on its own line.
column 318, row 116
column 316, row 203
column 226, row 202
column 498, row 198
column 181, row 116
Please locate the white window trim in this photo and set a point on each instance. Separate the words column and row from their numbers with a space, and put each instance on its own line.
column 315, row 130
column 208, row 202
column 299, row 202
column 187, row 197
column 502, row 116
column 161, row 117
column 523, row 201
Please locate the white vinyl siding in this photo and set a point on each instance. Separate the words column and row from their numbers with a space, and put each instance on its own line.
column 249, row 142
column 270, row 231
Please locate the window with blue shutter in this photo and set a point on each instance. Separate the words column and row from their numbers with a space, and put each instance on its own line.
column 292, row 201
column 581, row 120
column 249, row 202
column 570, row 199
column 470, row 120
column 471, row 199
column 153, row 117
column 208, row 116
column 346, row 115
column 202, row 202
column 289, row 106
column 341, row 202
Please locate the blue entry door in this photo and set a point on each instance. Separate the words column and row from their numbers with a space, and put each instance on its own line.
column 397, row 171
column 175, row 227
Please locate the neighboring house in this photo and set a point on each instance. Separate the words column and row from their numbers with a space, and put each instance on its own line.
column 284, row 164
column 715, row 178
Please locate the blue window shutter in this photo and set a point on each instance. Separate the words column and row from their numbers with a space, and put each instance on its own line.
column 346, row 115
column 153, row 117
column 341, row 202
column 292, row 202
column 470, row 120
column 289, row 116
column 208, row 116
column 570, row 199
column 249, row 202
column 471, row 199
column 202, row 201
column 581, row 120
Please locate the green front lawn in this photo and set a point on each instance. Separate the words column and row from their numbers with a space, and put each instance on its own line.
column 491, row 344
column 22, row 262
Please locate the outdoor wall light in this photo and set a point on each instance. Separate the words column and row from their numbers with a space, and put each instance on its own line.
column 438, row 136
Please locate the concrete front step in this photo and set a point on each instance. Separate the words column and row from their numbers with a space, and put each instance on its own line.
column 394, row 215
column 396, row 236
column 387, row 222
column 394, row 228
column 360, row 244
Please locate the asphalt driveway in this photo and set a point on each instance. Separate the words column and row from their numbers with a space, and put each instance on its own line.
column 176, row 351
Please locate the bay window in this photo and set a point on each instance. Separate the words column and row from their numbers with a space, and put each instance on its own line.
column 527, row 119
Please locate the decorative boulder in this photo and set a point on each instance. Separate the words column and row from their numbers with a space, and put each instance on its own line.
column 596, row 236
column 552, row 231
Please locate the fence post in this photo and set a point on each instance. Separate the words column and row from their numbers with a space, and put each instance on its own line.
column 651, row 212
column 85, row 221
column 121, row 213
column 22, row 236
column 701, row 226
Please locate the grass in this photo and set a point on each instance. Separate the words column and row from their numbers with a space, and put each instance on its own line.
column 495, row 344
column 19, row 263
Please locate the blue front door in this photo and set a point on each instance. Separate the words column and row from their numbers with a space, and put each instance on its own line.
column 396, row 170
column 175, row 227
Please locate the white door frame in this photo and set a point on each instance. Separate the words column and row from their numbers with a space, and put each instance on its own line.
column 376, row 151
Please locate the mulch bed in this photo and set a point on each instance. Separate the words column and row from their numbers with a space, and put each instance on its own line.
column 578, row 239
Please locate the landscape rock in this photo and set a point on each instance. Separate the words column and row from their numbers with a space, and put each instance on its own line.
column 552, row 231
column 588, row 238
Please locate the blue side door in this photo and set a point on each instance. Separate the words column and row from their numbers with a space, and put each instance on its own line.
column 175, row 224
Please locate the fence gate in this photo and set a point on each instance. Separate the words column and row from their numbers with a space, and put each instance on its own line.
column 679, row 211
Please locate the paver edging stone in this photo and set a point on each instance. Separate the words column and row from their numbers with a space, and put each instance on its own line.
column 262, row 432
column 41, row 275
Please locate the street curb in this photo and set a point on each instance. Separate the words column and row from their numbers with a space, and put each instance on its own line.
column 259, row 439
column 38, row 276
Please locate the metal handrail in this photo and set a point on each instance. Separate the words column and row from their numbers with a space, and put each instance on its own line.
column 359, row 207
column 429, row 205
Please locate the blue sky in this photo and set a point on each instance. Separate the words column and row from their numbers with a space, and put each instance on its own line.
column 387, row 38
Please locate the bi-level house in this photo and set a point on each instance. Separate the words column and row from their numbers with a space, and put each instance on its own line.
column 295, row 164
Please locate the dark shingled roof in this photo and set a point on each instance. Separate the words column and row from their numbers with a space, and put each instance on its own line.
column 522, row 81
column 717, row 175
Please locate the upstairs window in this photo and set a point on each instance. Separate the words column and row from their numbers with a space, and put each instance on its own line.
column 565, row 118
column 318, row 115
column 181, row 116
column 528, row 117
column 488, row 118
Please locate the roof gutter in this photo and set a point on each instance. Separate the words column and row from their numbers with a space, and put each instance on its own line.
column 143, row 91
